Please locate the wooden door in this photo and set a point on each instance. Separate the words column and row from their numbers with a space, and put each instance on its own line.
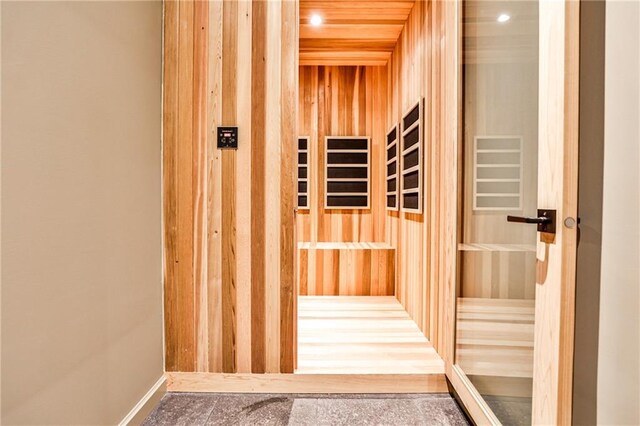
column 513, row 335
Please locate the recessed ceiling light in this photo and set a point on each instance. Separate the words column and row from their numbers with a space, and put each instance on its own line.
column 503, row 17
column 316, row 20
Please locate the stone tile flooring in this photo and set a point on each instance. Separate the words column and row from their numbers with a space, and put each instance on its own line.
column 317, row 410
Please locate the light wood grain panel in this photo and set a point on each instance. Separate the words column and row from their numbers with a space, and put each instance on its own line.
column 200, row 128
column 169, row 146
column 244, row 189
column 306, row 383
column 185, row 215
column 213, row 335
column 230, row 262
column 258, row 205
column 288, row 184
column 229, row 249
column 407, row 84
column 352, row 31
column 272, row 184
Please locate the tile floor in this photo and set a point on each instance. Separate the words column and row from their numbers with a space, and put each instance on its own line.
column 317, row 410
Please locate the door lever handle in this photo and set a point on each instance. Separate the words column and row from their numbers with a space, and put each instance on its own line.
column 522, row 219
column 546, row 220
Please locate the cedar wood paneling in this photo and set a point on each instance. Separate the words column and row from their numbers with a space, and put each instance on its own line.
column 229, row 215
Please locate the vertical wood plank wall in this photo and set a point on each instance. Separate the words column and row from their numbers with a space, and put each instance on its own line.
column 229, row 215
column 342, row 101
column 425, row 64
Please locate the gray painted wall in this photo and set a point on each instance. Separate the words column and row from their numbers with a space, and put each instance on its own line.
column 81, row 209
column 619, row 334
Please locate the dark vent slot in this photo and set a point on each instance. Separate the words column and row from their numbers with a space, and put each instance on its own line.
column 412, row 117
column 410, row 181
column 302, row 187
column 347, row 158
column 302, row 158
column 410, row 201
column 346, row 201
column 302, row 201
column 391, row 201
column 391, row 136
column 302, row 143
column 347, row 172
column 302, row 172
column 347, row 144
column 411, row 159
column 391, row 185
column 391, row 169
column 347, row 187
column 391, row 152
column 411, row 138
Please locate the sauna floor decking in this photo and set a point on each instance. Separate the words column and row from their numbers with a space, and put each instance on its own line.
column 361, row 335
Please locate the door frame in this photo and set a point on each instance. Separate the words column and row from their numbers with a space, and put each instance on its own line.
column 558, row 113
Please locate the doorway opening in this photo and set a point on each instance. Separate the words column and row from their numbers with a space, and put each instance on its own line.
column 367, row 302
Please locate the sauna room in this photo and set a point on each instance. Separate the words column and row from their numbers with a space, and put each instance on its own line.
column 363, row 293
column 353, row 194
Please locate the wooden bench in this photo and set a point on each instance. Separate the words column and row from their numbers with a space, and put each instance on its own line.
column 346, row 269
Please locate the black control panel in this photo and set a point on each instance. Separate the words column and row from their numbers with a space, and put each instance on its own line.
column 227, row 137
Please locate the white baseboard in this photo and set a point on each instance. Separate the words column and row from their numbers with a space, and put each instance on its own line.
column 142, row 409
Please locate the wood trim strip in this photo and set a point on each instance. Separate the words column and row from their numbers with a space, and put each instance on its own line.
column 214, row 214
column 169, row 148
column 258, row 141
column 200, row 245
column 184, row 296
column 273, row 181
column 244, row 235
column 306, row 383
column 288, row 182
column 229, row 108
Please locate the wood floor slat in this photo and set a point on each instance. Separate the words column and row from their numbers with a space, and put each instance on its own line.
column 361, row 335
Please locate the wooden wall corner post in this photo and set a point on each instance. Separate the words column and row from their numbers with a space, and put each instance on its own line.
column 453, row 203
column 169, row 122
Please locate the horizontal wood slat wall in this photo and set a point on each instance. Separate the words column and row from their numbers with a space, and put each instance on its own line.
column 229, row 215
column 424, row 63
column 343, row 101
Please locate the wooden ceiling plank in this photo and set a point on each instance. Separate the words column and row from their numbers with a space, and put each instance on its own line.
column 354, row 32
column 346, row 44
column 370, row 32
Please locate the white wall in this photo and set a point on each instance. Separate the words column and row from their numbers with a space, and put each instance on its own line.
column 81, row 235
column 619, row 335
